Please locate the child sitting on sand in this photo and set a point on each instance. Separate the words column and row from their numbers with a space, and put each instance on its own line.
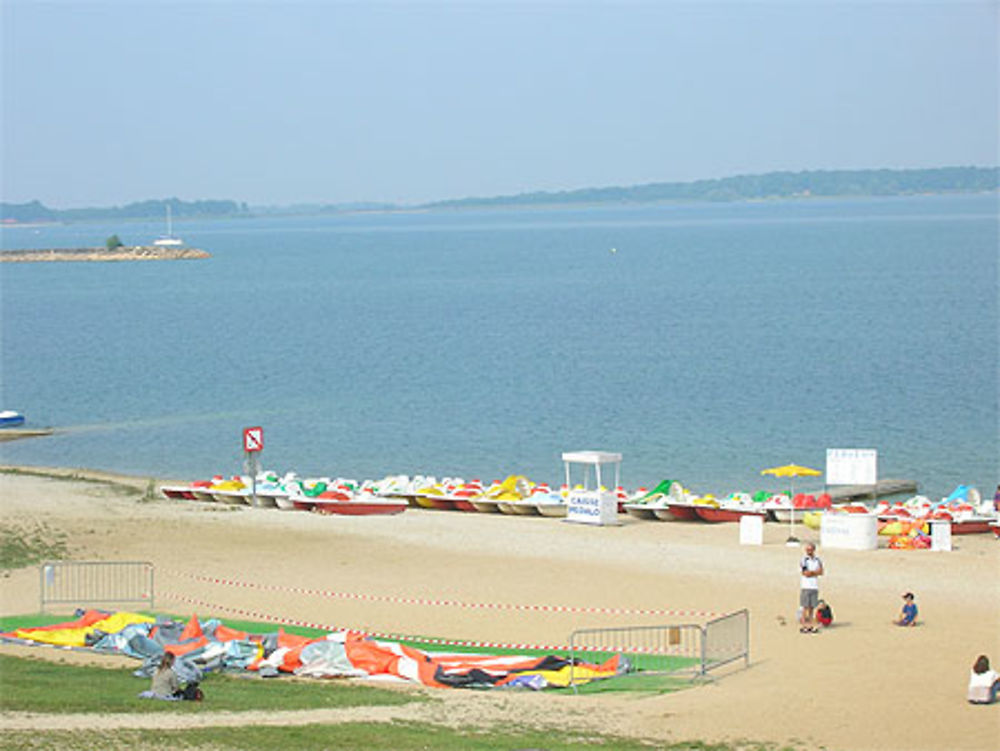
column 908, row 616
column 824, row 614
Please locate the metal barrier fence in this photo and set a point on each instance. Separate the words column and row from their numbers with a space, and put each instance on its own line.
column 726, row 639
column 96, row 583
column 662, row 650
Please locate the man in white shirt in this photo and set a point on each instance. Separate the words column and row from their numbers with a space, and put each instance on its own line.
column 810, row 568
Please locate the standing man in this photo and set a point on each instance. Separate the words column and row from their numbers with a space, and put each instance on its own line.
column 811, row 569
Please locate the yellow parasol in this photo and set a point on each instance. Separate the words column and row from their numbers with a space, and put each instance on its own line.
column 791, row 470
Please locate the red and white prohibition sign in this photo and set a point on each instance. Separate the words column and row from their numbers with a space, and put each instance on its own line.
column 253, row 439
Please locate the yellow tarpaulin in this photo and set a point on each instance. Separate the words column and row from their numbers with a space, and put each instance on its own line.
column 77, row 637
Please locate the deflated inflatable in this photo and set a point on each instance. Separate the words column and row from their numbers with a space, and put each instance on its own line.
column 84, row 631
column 211, row 645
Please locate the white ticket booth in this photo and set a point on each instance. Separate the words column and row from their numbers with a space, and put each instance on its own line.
column 588, row 504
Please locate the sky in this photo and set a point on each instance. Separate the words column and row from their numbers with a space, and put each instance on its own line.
column 277, row 103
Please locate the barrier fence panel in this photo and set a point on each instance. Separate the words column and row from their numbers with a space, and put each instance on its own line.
column 727, row 639
column 662, row 650
column 82, row 583
column 650, row 650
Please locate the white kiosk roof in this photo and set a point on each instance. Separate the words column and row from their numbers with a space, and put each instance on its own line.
column 591, row 457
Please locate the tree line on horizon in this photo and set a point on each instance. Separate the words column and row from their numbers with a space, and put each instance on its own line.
column 771, row 185
column 36, row 211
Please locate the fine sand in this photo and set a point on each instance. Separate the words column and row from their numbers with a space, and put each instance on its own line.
column 863, row 684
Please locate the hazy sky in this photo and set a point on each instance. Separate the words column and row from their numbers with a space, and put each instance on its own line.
column 279, row 102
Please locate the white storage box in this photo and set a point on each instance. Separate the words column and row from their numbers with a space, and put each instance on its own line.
column 849, row 531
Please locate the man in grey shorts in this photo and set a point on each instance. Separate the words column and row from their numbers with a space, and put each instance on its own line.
column 811, row 569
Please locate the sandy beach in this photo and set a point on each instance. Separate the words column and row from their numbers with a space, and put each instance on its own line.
column 863, row 684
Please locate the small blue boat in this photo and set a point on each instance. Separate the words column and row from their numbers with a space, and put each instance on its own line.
column 10, row 419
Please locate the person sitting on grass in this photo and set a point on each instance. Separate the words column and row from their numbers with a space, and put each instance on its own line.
column 908, row 615
column 984, row 684
column 166, row 684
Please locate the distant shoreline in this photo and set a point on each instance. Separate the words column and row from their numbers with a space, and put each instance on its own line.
column 487, row 206
column 768, row 186
column 124, row 253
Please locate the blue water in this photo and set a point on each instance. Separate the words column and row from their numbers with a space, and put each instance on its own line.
column 718, row 340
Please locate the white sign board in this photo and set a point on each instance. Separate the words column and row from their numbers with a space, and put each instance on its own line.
column 592, row 507
column 851, row 466
column 849, row 531
column 751, row 529
column 941, row 536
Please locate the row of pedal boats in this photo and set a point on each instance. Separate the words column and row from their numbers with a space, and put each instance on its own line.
column 390, row 495
column 289, row 492
column 516, row 495
column 964, row 509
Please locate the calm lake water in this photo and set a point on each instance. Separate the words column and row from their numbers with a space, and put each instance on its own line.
column 716, row 341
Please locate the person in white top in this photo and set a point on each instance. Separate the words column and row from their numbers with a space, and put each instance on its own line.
column 983, row 682
column 811, row 568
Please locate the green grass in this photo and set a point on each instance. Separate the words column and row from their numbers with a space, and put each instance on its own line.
column 24, row 544
column 393, row 736
column 643, row 683
column 37, row 685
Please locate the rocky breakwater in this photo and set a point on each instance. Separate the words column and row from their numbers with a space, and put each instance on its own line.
column 121, row 253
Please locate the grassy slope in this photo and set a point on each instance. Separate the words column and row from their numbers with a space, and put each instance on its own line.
column 40, row 686
column 35, row 685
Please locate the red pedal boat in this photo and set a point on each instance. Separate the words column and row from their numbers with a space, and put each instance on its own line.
column 716, row 514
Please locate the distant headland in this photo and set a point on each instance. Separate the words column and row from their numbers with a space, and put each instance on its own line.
column 121, row 253
column 766, row 187
column 770, row 186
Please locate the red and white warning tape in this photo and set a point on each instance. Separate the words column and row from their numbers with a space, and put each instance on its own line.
column 258, row 616
column 446, row 603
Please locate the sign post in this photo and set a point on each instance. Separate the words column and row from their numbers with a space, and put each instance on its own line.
column 253, row 444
